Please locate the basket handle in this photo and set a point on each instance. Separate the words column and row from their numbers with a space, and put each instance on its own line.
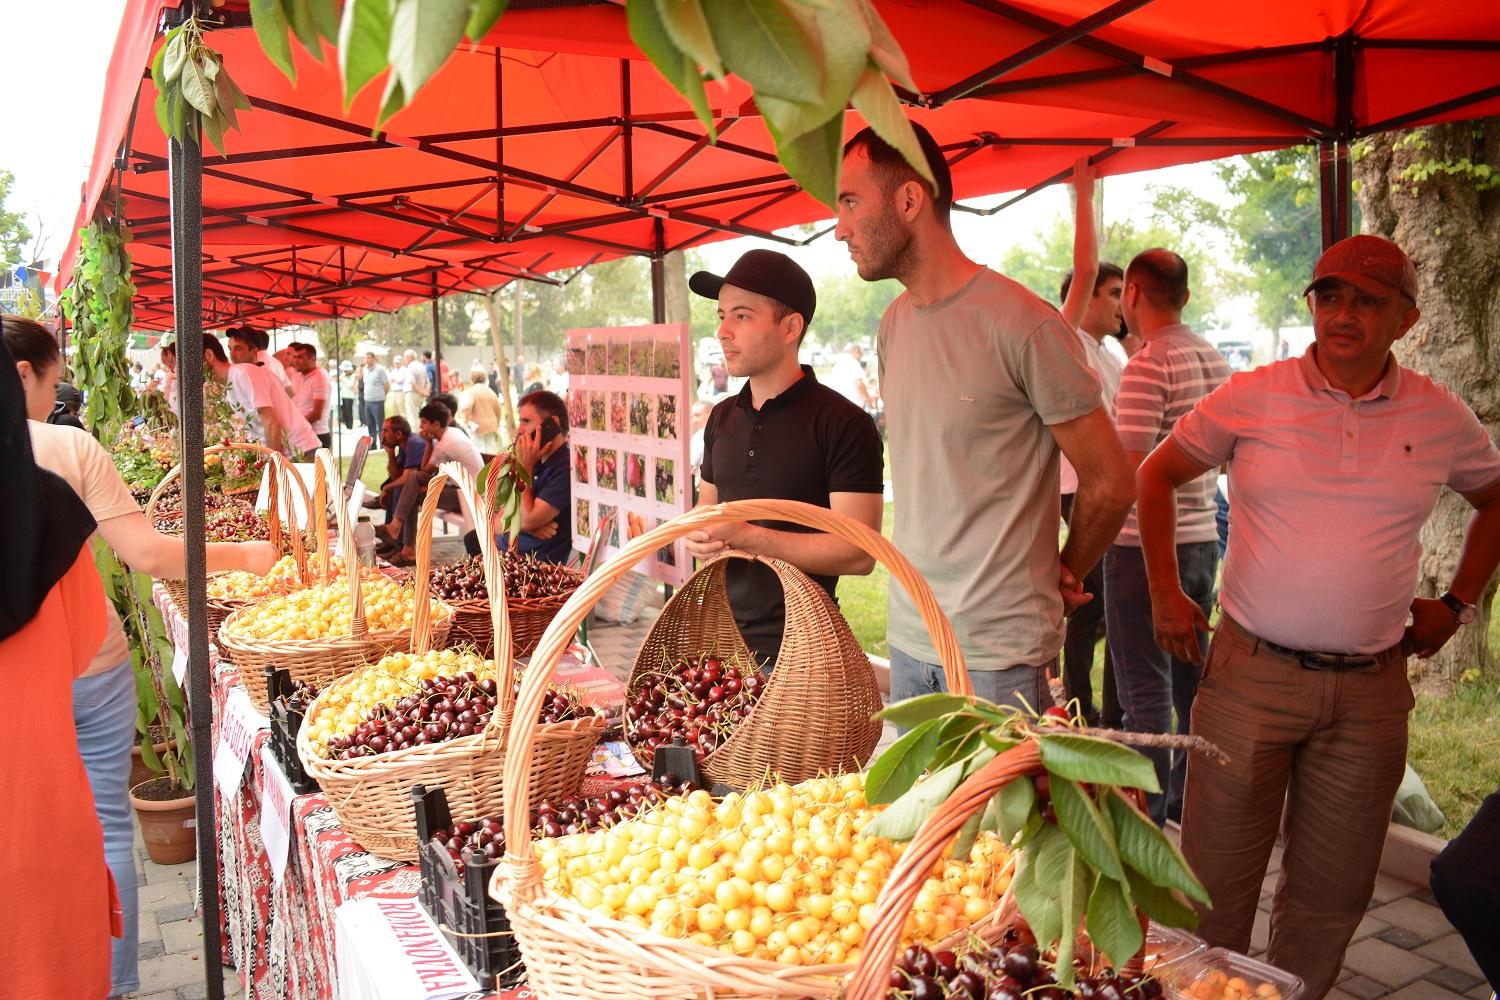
column 421, row 622
column 320, row 506
column 870, row 978
column 288, row 475
column 517, row 776
column 357, row 624
column 176, row 471
column 494, row 582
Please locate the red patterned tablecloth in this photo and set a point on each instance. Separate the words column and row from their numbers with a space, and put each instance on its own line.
column 280, row 937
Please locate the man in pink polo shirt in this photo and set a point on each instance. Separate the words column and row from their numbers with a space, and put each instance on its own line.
column 1336, row 460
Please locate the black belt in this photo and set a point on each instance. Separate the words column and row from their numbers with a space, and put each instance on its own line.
column 1313, row 660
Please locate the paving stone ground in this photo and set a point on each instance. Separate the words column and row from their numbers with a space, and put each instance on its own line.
column 1404, row 948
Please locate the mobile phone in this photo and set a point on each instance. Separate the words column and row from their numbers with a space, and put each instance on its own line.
column 551, row 428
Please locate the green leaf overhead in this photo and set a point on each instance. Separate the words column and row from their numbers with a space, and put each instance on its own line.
column 770, row 51
column 1017, row 803
column 271, row 29
column 424, row 34
column 197, row 90
column 174, row 54
column 813, row 158
column 482, row 17
column 1097, row 761
column 1146, row 849
column 688, row 27
column 300, row 14
column 649, row 32
column 884, row 48
column 874, row 99
column 364, row 41
column 1086, row 828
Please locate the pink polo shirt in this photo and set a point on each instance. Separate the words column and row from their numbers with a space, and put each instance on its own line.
column 1330, row 494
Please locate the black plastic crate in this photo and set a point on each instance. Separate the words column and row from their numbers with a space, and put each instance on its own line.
column 460, row 902
column 285, row 724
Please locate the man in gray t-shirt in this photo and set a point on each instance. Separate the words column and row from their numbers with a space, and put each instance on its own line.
column 983, row 382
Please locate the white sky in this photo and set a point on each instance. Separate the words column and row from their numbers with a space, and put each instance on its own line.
column 53, row 78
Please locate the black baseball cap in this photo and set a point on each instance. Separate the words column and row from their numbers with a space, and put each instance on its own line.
column 768, row 273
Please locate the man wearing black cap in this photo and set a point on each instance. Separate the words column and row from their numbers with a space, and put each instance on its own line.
column 1336, row 459
column 783, row 436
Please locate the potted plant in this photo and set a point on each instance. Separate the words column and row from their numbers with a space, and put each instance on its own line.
column 164, row 802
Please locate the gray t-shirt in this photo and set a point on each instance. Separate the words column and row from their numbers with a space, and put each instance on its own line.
column 970, row 384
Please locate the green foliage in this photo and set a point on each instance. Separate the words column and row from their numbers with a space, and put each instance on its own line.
column 14, row 232
column 1275, row 227
column 1041, row 264
column 98, row 304
column 805, row 62
column 1483, row 176
column 193, row 89
column 160, row 703
column 1094, row 863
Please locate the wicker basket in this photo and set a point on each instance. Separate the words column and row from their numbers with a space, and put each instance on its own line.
column 528, row 617
column 372, row 795
column 279, row 499
column 575, row 954
column 870, row 981
column 321, row 661
column 815, row 713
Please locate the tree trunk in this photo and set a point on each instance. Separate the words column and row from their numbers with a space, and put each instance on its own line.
column 497, row 336
column 1451, row 229
column 675, row 266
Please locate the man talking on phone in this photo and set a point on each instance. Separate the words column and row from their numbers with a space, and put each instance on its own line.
column 542, row 450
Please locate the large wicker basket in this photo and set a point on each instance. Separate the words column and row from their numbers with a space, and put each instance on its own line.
column 321, row 661
column 572, row 953
column 372, row 795
column 815, row 714
column 279, row 496
column 528, row 616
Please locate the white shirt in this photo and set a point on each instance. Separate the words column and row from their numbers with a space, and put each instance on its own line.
column 252, row 387
column 1106, row 368
column 276, row 368
column 417, row 372
column 1330, row 496
column 456, row 446
column 400, row 378
column 313, row 387
column 847, row 377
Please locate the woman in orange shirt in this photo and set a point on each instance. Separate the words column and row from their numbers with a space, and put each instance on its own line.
column 60, row 903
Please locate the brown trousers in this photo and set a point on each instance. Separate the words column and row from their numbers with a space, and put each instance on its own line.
column 1328, row 747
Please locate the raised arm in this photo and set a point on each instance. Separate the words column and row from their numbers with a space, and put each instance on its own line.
column 1085, row 244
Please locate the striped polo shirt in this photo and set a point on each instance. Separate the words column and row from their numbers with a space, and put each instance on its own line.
column 1160, row 385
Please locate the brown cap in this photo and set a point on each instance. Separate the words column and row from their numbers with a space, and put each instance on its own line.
column 1368, row 262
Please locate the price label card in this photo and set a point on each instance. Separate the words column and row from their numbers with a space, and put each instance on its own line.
column 179, row 665
column 236, row 736
column 275, row 813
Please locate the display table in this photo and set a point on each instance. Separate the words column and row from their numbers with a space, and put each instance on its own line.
column 279, row 934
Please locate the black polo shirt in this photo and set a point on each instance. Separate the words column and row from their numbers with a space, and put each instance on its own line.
column 804, row 444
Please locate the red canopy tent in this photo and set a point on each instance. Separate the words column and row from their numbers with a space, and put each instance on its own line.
column 555, row 144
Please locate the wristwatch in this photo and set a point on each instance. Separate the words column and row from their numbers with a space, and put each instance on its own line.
column 1462, row 613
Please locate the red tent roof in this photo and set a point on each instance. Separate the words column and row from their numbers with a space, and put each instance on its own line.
column 592, row 155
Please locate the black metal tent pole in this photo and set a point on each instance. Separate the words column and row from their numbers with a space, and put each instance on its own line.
column 186, row 175
column 437, row 342
column 659, row 275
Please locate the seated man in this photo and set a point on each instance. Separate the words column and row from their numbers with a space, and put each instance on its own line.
column 542, row 449
column 403, row 457
column 445, row 443
column 783, row 436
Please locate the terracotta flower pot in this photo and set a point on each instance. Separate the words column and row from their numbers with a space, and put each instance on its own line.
column 139, row 772
column 167, row 824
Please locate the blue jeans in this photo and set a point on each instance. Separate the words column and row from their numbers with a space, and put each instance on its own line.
column 374, row 417
column 1152, row 683
column 104, row 708
column 911, row 677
